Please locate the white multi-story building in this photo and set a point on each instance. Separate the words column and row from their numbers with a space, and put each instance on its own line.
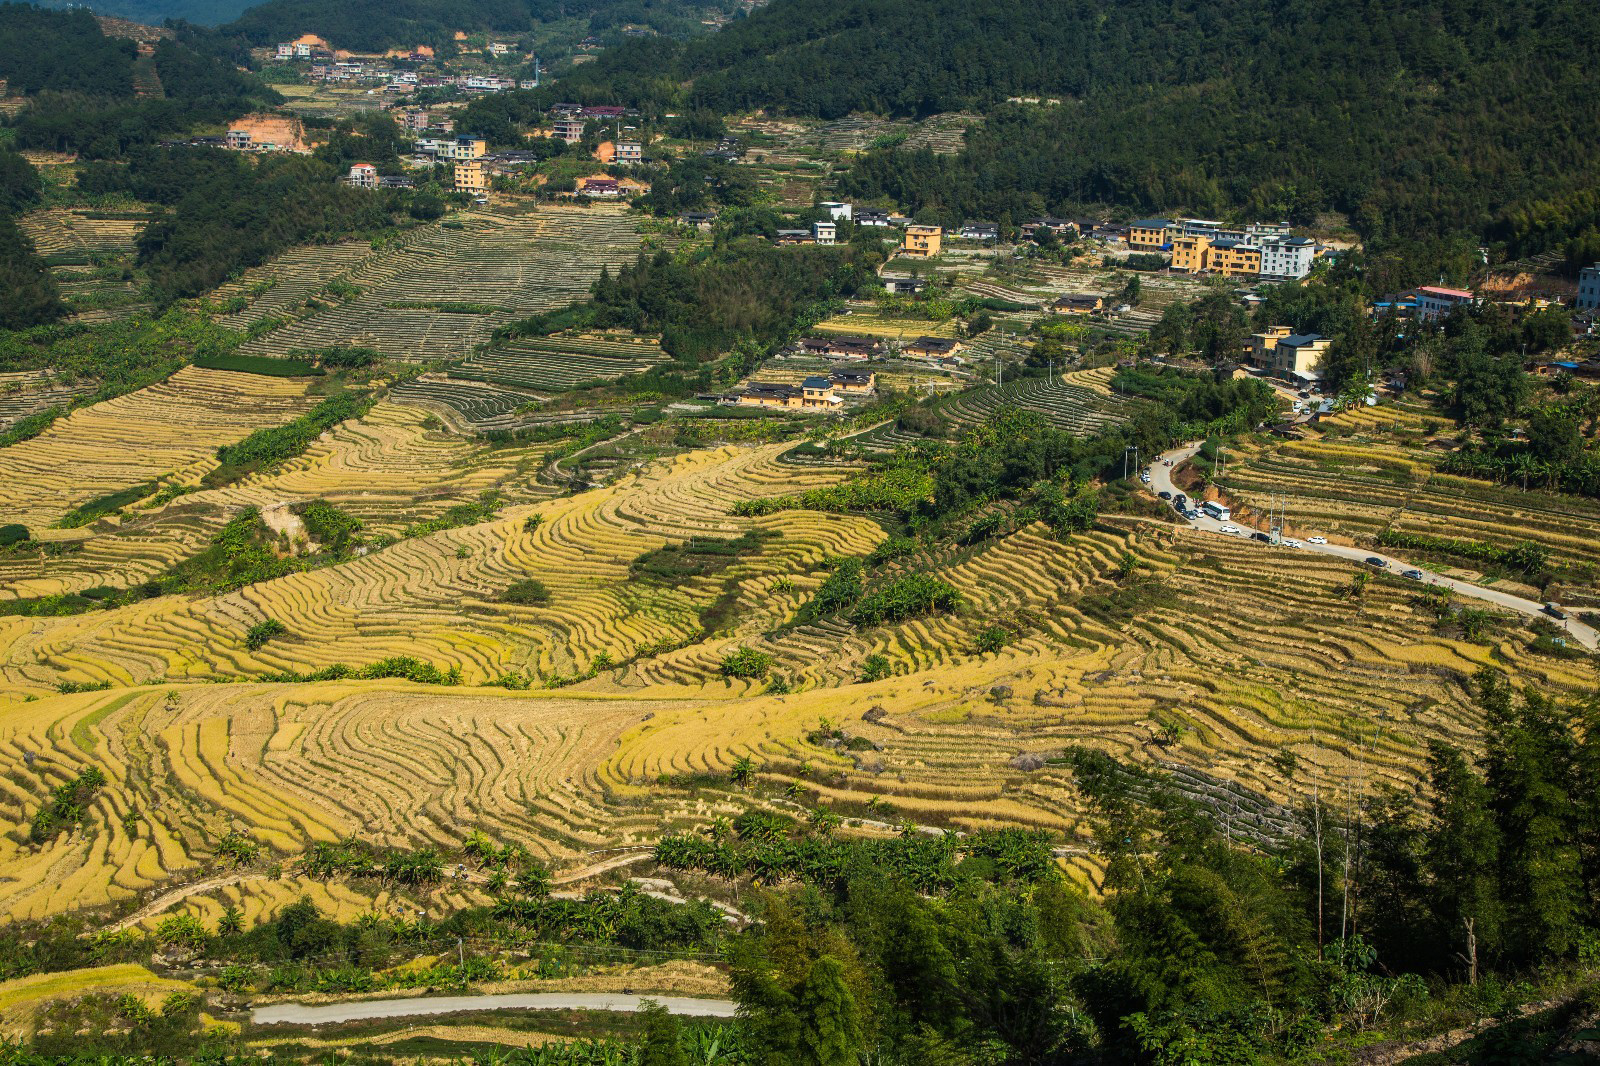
column 1287, row 258
column 1435, row 302
column 1589, row 287
column 838, row 211
column 363, row 176
column 824, row 232
column 628, row 152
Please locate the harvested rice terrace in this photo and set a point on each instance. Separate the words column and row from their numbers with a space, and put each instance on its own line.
column 1065, row 405
column 64, row 235
column 1363, row 488
column 31, row 391
column 557, row 363
column 439, row 292
column 475, row 407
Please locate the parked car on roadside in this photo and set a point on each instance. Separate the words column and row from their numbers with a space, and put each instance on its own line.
column 1316, row 540
column 1374, row 561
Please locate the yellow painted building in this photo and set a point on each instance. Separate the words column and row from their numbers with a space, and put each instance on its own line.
column 1148, row 233
column 1235, row 260
column 1191, row 254
column 471, row 177
column 922, row 242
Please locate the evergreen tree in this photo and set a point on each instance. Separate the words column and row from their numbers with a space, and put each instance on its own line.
column 831, row 1026
column 661, row 1044
column 1463, row 852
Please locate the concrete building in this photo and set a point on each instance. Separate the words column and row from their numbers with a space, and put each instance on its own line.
column 1435, row 302
column 627, row 153
column 1282, row 353
column 467, row 146
column 840, row 212
column 1148, row 233
column 1589, row 287
column 363, row 176
column 1287, row 258
column 472, row 177
column 824, row 232
column 569, row 130
column 238, row 140
column 922, row 242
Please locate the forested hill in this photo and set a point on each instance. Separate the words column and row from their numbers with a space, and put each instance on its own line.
column 1414, row 116
column 374, row 25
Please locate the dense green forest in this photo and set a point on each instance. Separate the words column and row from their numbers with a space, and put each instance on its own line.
column 224, row 212
column 157, row 12
column 1411, row 119
column 380, row 24
column 28, row 293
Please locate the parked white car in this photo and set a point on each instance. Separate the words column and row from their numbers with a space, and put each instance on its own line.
column 1316, row 540
column 1229, row 529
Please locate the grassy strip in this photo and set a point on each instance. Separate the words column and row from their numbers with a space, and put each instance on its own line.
column 101, row 506
column 265, row 448
column 264, row 365
column 1527, row 558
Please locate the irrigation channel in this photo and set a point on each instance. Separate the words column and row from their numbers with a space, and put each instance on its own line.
column 362, row 1010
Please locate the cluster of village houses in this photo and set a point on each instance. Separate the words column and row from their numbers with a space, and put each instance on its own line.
column 346, row 68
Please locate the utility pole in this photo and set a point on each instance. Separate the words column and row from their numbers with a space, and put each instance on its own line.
column 461, row 955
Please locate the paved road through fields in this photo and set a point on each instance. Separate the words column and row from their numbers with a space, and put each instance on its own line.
column 1161, row 480
column 364, row 1009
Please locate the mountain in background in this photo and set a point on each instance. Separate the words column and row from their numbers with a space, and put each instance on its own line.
column 156, row 12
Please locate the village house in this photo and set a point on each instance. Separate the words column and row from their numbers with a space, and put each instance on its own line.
column 569, row 130
column 794, row 236
column 903, row 285
column 600, row 188
column 980, row 231
column 922, row 242
column 1286, row 258
column 304, row 47
column 1148, row 233
column 839, row 211
column 627, row 153
column 238, row 140
column 853, row 381
column 395, row 181
column 363, row 176
column 1078, row 303
column 930, row 348
column 1589, row 288
column 815, row 393
column 1435, row 302
column 700, row 220
column 1061, row 227
column 871, row 216
column 841, row 347
column 1295, row 357
column 824, row 232
column 471, row 177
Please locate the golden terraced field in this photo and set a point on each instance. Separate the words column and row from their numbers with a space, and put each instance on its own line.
column 1210, row 654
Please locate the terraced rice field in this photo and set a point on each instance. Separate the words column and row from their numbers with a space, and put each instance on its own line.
column 173, row 428
column 63, row 233
column 1078, row 401
column 29, row 392
column 553, row 364
column 438, row 597
column 1247, row 650
column 505, row 266
column 471, row 406
column 1361, row 485
column 387, row 469
column 406, row 767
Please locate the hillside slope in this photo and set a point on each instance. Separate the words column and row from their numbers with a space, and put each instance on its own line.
column 1413, row 117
